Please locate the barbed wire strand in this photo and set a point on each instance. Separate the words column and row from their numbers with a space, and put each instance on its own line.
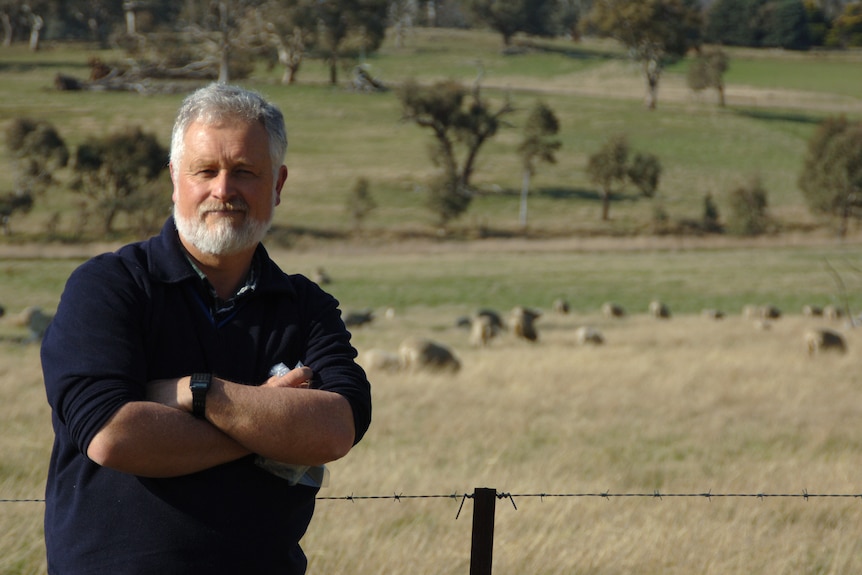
column 608, row 495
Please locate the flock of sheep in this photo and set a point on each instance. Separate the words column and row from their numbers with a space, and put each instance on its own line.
column 485, row 325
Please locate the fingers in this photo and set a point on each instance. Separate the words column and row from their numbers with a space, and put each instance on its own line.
column 297, row 377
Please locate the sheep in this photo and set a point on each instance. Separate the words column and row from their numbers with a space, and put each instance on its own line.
column 712, row 313
column 321, row 277
column 761, row 312
column 379, row 360
column 832, row 312
column 610, row 310
column 585, row 335
column 35, row 320
column 823, row 339
column 522, row 321
column 812, row 311
column 561, row 306
column 416, row 354
column 482, row 330
column 358, row 318
column 659, row 310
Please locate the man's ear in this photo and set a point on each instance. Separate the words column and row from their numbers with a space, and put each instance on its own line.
column 279, row 183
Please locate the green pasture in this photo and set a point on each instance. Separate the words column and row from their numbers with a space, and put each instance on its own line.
column 338, row 136
column 462, row 279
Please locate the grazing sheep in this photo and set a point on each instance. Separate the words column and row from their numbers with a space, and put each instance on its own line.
column 358, row 318
column 613, row 310
column 36, row 321
column 832, row 312
column 482, row 330
column 321, row 277
column 417, row 354
column 522, row 321
column 659, row 310
column 379, row 360
column 587, row 335
column 561, row 306
column 761, row 312
column 823, row 339
column 812, row 311
column 712, row 313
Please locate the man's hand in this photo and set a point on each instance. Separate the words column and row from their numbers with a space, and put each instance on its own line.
column 296, row 377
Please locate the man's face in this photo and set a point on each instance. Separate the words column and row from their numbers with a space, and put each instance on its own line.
column 225, row 188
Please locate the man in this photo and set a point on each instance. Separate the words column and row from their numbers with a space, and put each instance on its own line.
column 157, row 367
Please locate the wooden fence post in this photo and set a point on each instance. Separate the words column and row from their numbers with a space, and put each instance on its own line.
column 482, row 551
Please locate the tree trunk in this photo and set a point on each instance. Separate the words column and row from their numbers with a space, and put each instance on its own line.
column 652, row 71
column 35, row 32
column 7, row 29
column 721, row 101
column 525, row 189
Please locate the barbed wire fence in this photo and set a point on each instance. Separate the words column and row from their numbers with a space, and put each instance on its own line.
column 485, row 499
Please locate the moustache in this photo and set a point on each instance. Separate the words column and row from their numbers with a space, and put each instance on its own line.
column 233, row 206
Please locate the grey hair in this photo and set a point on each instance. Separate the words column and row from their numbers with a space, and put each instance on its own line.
column 216, row 102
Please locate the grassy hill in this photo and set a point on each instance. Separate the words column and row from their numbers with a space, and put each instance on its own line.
column 336, row 136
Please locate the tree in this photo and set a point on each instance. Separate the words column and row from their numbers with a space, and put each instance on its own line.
column 707, row 71
column 457, row 119
column 644, row 172
column 607, row 167
column 610, row 168
column 360, row 203
column 831, row 178
column 568, row 16
column 654, row 32
column 538, row 146
column 37, row 151
column 734, row 22
column 785, row 25
column 508, row 17
column 111, row 171
column 847, row 28
column 748, row 203
column 345, row 27
column 278, row 26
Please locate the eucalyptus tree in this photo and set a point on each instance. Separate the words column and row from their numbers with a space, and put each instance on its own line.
column 653, row 31
column 538, row 145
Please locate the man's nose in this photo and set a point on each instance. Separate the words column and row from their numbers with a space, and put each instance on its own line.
column 223, row 186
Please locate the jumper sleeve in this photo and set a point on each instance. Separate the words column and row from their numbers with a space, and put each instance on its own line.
column 92, row 353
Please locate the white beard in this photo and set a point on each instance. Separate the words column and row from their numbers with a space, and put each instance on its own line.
column 222, row 238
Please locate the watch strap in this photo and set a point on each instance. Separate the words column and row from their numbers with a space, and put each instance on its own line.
column 200, row 385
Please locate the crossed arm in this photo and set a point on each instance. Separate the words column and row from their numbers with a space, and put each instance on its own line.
column 281, row 419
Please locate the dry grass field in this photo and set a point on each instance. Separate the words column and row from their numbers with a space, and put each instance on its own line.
column 687, row 405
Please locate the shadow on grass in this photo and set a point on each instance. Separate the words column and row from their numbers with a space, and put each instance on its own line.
column 575, row 53
column 773, row 116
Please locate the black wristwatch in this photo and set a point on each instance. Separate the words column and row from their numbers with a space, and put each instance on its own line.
column 200, row 385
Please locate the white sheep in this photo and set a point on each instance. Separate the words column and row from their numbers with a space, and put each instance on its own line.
column 659, row 310
column 610, row 309
column 379, row 360
column 416, row 354
column 586, row 335
column 822, row 339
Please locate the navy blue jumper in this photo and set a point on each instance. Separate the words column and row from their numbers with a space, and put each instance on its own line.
column 142, row 314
